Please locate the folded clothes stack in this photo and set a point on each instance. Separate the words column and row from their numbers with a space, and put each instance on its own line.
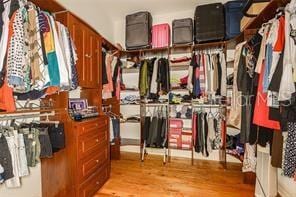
column 178, row 98
column 180, row 61
column 130, row 99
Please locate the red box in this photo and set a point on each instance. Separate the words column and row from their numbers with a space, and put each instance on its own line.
column 176, row 123
column 177, row 131
column 161, row 35
column 175, row 140
column 186, row 146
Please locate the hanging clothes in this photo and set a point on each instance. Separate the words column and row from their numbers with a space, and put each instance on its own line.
column 37, row 52
column 234, row 118
column 261, row 111
column 23, row 145
column 117, row 78
column 247, row 85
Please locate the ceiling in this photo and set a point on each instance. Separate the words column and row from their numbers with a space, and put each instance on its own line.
column 118, row 9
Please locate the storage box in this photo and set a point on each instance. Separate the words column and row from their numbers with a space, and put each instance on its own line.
column 256, row 8
column 186, row 139
column 175, row 140
column 176, row 131
column 176, row 123
column 186, row 146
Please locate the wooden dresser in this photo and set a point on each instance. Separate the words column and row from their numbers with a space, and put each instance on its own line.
column 83, row 167
column 91, row 157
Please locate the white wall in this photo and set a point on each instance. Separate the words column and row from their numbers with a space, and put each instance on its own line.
column 119, row 26
column 31, row 185
column 92, row 14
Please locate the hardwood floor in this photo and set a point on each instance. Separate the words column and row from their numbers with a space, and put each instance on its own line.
column 130, row 177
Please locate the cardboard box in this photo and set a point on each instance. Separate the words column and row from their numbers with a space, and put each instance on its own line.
column 256, row 8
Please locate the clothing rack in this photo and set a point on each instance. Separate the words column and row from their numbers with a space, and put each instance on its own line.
column 25, row 116
column 217, row 47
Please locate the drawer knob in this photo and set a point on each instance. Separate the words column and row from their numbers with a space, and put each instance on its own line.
column 97, row 161
column 98, row 183
column 97, row 140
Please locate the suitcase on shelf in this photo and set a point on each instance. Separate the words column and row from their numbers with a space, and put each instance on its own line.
column 209, row 23
column 233, row 16
column 182, row 31
column 161, row 35
column 138, row 31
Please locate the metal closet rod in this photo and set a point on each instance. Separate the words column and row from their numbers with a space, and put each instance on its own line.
column 26, row 116
column 154, row 104
column 208, row 106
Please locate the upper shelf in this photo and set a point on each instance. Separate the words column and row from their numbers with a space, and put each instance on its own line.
column 267, row 13
column 167, row 50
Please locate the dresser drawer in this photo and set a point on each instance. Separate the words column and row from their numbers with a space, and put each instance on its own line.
column 97, row 124
column 92, row 142
column 92, row 185
column 92, row 163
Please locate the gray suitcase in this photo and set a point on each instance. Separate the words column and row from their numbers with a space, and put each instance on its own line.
column 209, row 23
column 138, row 31
column 182, row 31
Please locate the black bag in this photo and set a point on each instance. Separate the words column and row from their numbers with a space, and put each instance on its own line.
column 233, row 16
column 138, row 31
column 209, row 22
column 182, row 31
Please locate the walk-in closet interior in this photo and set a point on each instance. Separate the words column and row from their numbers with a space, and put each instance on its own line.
column 147, row 98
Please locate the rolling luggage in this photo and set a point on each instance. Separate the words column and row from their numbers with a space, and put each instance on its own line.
column 182, row 31
column 161, row 35
column 209, row 23
column 138, row 31
column 233, row 16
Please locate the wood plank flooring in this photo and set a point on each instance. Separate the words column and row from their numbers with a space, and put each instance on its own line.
column 131, row 178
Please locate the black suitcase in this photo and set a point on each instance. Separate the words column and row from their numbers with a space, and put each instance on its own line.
column 138, row 31
column 209, row 22
column 182, row 31
column 233, row 16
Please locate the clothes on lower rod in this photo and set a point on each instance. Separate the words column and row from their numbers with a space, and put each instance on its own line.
column 115, row 128
column 155, row 130
column 22, row 147
column 207, row 132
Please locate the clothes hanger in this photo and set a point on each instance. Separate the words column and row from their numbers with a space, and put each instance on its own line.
column 4, row 2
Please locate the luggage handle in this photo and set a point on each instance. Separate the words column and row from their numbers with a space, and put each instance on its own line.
column 249, row 4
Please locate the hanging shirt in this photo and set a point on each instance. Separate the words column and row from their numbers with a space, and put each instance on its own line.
column 261, row 111
column 153, row 86
column 16, row 57
column 53, row 66
column 234, row 118
column 4, row 35
column 287, row 87
column 108, row 88
column 62, row 66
